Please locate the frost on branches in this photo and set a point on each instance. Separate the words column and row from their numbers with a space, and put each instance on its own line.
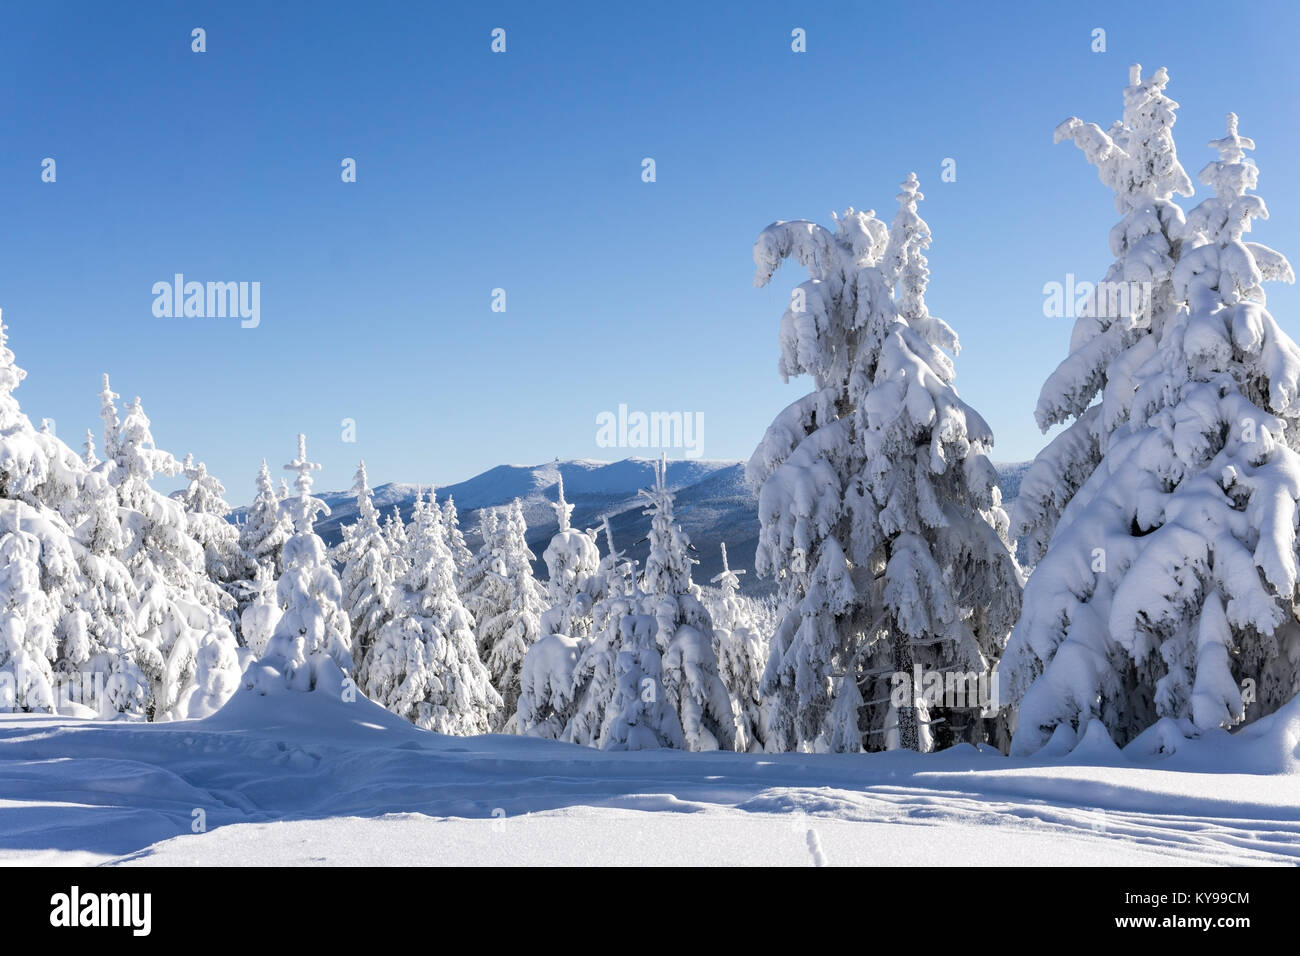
column 1119, row 325
column 424, row 663
column 311, row 646
column 880, row 515
column 1168, row 593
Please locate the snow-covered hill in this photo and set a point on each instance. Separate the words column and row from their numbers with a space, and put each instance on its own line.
column 714, row 505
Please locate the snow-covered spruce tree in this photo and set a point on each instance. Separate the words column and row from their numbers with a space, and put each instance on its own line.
column 258, row 619
column 179, row 609
column 207, row 513
column 88, row 450
column 460, row 552
column 508, row 618
column 707, row 717
column 27, row 644
column 880, row 514
column 1171, row 580
column 618, row 702
column 742, row 652
column 1120, row 322
column 398, row 543
column 572, row 561
column 551, row 683
column 266, row 528
column 367, row 587
column 581, row 708
column 649, row 677
column 311, row 647
column 67, row 628
column 482, row 587
column 424, row 663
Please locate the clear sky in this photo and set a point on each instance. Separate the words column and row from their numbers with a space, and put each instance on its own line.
column 522, row 171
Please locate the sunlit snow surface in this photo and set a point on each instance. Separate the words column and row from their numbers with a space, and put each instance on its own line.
column 308, row 779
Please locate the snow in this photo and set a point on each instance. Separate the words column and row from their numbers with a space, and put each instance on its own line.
column 310, row 779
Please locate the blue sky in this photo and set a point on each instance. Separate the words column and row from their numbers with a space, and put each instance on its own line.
column 522, row 171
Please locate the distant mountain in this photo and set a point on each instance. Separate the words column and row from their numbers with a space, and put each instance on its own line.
column 714, row 505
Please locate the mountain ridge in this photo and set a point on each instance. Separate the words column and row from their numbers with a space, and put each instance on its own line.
column 714, row 505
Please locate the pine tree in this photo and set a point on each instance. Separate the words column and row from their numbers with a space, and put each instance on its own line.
column 266, row 528
column 880, row 514
column 178, row 608
column 705, row 715
column 27, row 644
column 311, row 647
column 592, row 685
column 741, row 652
column 67, row 638
column 482, row 585
column 1172, row 577
column 206, row 512
column 398, row 544
column 460, row 552
column 367, row 587
column 424, row 664
column 88, row 450
column 549, row 692
column 572, row 561
column 1121, row 321
column 508, row 609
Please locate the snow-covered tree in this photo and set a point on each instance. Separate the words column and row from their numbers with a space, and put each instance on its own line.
column 706, row 716
column 424, row 664
column 649, row 677
column 266, row 527
column 582, row 706
column 88, row 450
column 507, row 607
column 1171, row 582
column 549, row 687
column 258, row 619
column 742, row 653
column 367, row 587
column 27, row 644
column 398, row 544
column 206, row 513
column 880, row 514
column 68, row 632
column 572, row 560
column 311, row 647
column 179, row 608
column 481, row 587
column 460, row 552
column 1119, row 320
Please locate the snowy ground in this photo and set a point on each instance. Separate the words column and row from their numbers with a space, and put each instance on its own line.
column 306, row 779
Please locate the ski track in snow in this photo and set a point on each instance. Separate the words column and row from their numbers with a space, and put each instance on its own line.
column 309, row 786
